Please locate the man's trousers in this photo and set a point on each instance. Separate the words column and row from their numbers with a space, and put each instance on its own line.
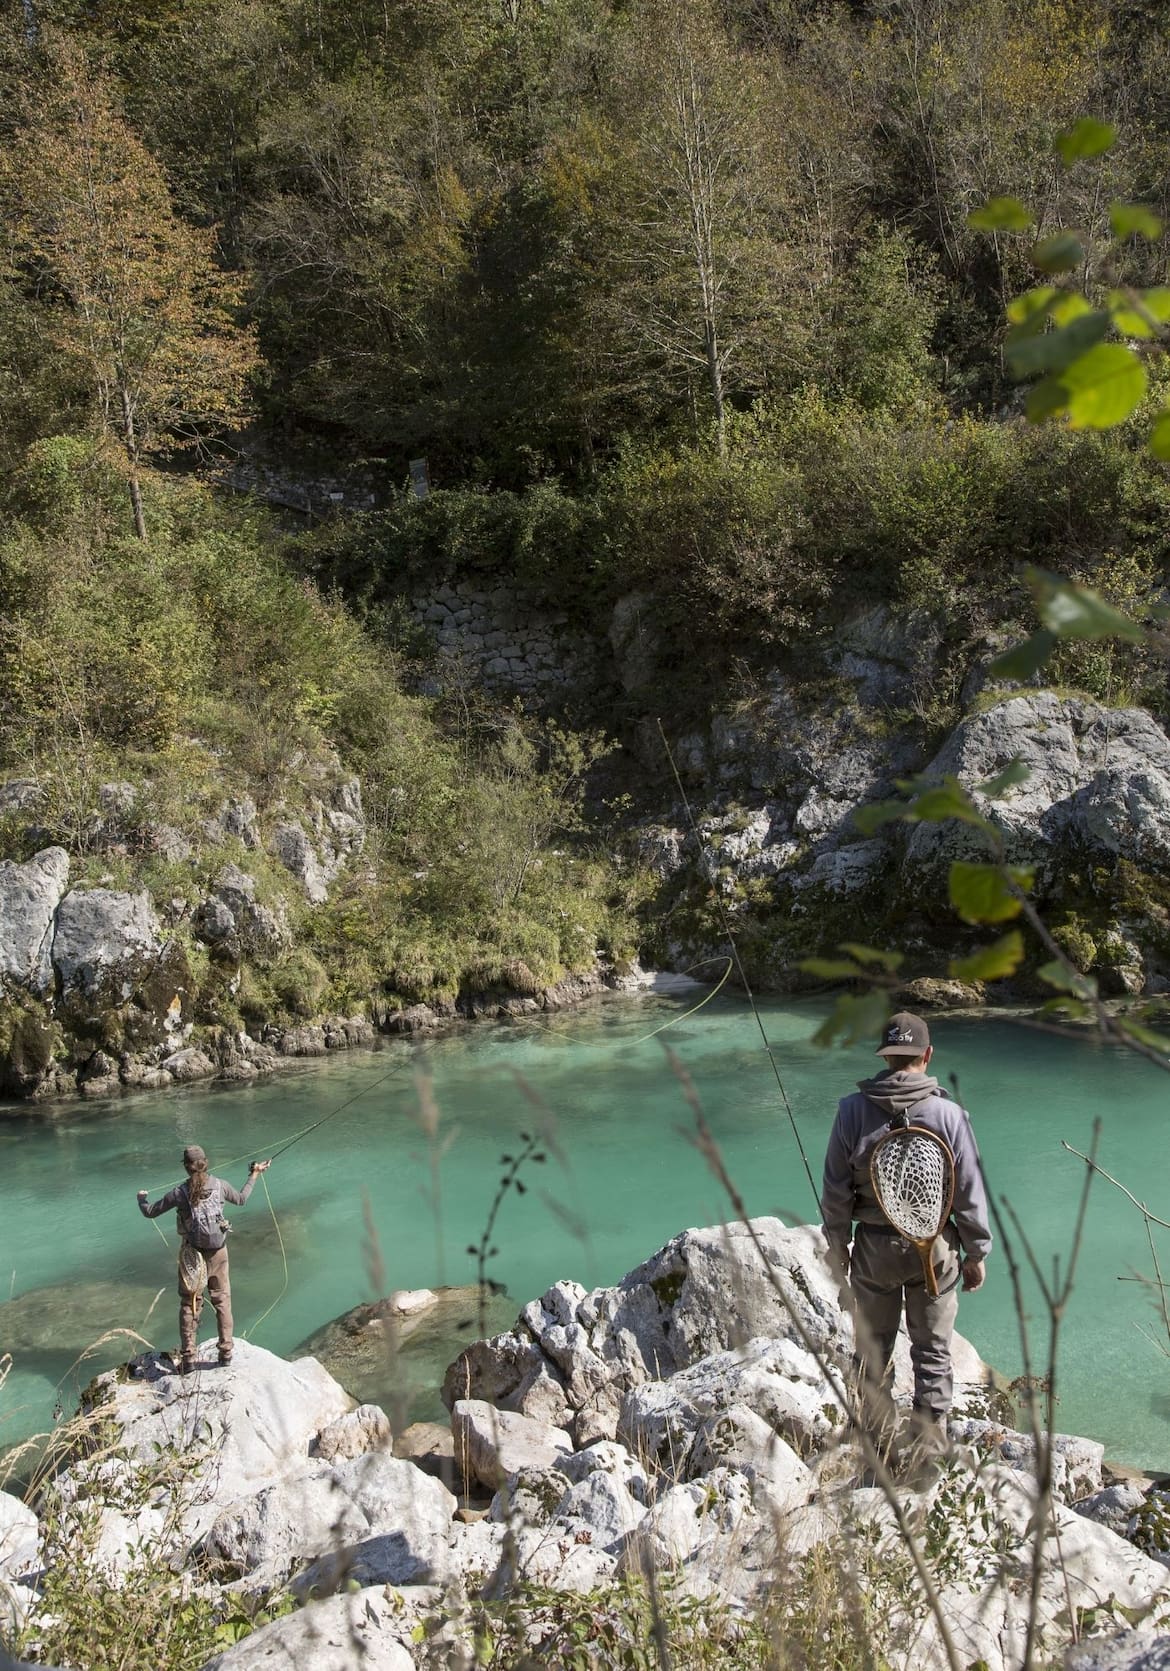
column 886, row 1277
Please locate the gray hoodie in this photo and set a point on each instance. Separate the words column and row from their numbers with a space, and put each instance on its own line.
column 899, row 1097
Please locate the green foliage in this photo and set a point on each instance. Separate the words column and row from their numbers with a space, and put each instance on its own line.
column 145, row 1619
column 991, row 963
column 1091, row 383
column 987, row 893
column 1076, row 943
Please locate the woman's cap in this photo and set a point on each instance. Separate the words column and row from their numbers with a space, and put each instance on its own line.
column 193, row 1155
column 905, row 1035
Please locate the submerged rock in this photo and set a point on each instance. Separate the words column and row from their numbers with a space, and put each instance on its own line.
column 394, row 1354
column 70, row 1316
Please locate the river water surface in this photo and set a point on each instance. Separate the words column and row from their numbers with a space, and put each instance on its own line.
column 77, row 1257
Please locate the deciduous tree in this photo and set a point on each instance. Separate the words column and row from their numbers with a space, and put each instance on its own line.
column 132, row 293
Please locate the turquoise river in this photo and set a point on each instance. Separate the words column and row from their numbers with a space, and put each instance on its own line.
column 77, row 1258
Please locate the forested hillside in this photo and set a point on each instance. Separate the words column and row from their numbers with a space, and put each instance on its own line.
column 680, row 306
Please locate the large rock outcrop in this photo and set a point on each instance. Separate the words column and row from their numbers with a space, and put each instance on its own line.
column 1098, row 784
column 29, row 896
column 743, row 1491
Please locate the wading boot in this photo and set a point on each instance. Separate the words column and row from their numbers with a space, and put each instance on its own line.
column 924, row 1452
column 225, row 1357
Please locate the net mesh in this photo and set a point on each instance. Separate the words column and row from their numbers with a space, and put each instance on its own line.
column 911, row 1178
column 192, row 1269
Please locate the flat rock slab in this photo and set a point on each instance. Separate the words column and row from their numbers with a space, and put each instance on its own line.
column 241, row 1427
column 339, row 1634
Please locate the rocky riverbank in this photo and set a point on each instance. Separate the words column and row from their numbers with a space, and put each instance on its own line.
column 686, row 1422
column 99, row 996
column 157, row 954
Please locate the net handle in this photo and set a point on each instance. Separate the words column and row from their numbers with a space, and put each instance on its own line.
column 924, row 1244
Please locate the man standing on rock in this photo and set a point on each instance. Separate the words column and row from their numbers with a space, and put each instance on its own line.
column 884, row 1271
column 199, row 1205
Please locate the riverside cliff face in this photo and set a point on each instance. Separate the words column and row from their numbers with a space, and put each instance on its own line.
column 192, row 956
column 687, row 1421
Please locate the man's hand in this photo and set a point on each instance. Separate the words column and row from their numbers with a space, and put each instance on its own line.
column 143, row 1195
column 973, row 1274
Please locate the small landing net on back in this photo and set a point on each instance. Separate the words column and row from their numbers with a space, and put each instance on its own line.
column 192, row 1272
column 913, row 1175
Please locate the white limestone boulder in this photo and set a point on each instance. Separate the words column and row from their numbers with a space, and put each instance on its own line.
column 1076, row 1462
column 234, row 1430
column 738, row 1438
column 777, row 1381
column 19, row 1538
column 103, row 942
column 492, row 1444
column 1114, row 1506
column 607, row 1456
column 601, row 1507
column 29, row 896
column 370, row 1629
column 1123, row 1650
column 697, row 1527
column 365, row 1429
column 386, row 1509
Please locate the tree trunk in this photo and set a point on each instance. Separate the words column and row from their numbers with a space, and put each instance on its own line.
column 715, row 378
column 130, row 442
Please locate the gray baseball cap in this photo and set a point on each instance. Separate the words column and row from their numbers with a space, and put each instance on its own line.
column 193, row 1155
column 904, row 1035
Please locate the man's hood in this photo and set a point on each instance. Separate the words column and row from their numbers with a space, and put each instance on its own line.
column 898, row 1093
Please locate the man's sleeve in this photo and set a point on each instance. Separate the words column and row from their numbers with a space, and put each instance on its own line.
column 237, row 1197
column 837, row 1188
column 164, row 1204
column 970, row 1204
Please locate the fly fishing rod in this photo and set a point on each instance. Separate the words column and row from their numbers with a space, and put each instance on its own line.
column 740, row 971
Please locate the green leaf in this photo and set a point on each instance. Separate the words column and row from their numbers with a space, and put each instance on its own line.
column 1033, row 304
column 1055, row 350
column 1013, row 774
column 1089, row 137
column 870, row 818
column 1130, row 219
column 927, row 803
column 981, row 893
column 854, row 1019
column 1070, row 1009
column 1144, row 1035
column 1097, row 391
column 1129, row 317
column 1047, row 400
column 1156, row 301
column 1059, row 253
column 1067, row 306
column 1160, row 437
column 1072, row 611
column 830, row 968
column 948, row 799
column 993, row 962
column 1104, row 386
column 871, row 954
column 1001, row 214
column 1068, row 980
column 1022, row 660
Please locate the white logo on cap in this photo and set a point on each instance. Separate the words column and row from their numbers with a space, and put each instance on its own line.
column 895, row 1036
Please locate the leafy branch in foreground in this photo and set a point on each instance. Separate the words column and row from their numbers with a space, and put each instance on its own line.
column 1084, row 349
